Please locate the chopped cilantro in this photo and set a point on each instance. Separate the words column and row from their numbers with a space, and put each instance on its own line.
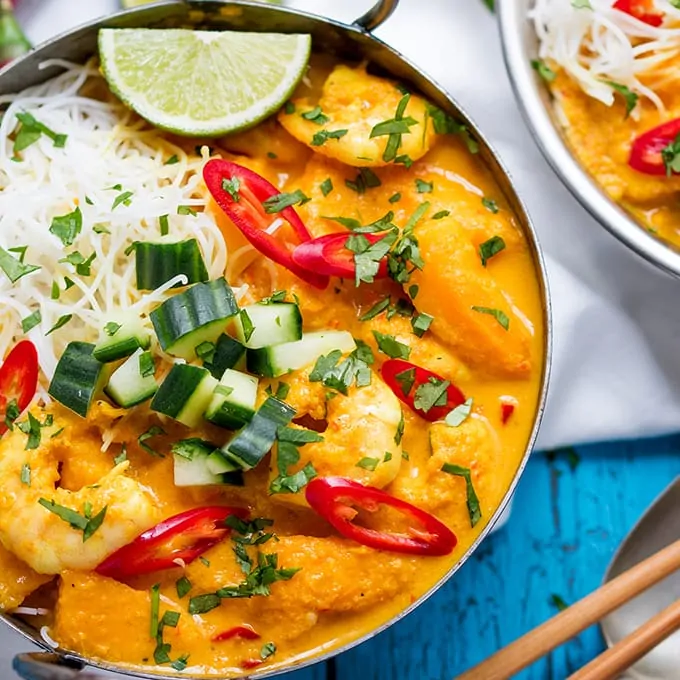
column 67, row 227
column 26, row 474
column 423, row 187
column 378, row 308
column 82, row 265
column 125, row 198
column 186, row 210
column 413, row 291
column 183, row 586
column 406, row 379
column 368, row 463
column 670, row 155
column 147, row 368
column 320, row 138
column 12, row 412
column 387, row 457
column 172, row 160
column 474, row 511
column 164, row 225
column 14, row 269
column 421, row 323
column 326, row 186
column 543, row 70
column 30, row 132
column 248, row 328
column 232, row 187
column 499, row 315
column 389, row 345
column 431, row 393
column 490, row 248
column 459, row 414
column 367, row 255
column 61, row 321
column 339, row 376
column 54, row 294
column 112, row 328
column 394, row 128
column 88, row 525
column 122, row 456
column 153, row 431
column 267, row 650
column 315, row 116
column 581, row 4
column 399, row 434
column 289, row 107
column 490, row 205
column 448, row 125
column 440, row 214
column 276, row 296
column 394, row 198
column 277, row 203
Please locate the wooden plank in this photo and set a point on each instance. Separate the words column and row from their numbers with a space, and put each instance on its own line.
column 567, row 520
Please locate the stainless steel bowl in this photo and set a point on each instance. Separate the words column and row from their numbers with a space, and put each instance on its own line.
column 353, row 42
column 520, row 46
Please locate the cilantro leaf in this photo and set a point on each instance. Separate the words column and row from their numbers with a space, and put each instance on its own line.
column 474, row 510
column 67, row 227
column 389, row 345
column 14, row 269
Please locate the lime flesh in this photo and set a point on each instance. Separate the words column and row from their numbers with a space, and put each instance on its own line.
column 202, row 83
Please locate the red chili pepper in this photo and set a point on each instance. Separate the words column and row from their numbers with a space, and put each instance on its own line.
column 645, row 154
column 18, row 379
column 183, row 537
column 243, row 206
column 244, row 631
column 507, row 410
column 640, row 9
column 328, row 255
column 397, row 373
column 251, row 663
column 335, row 499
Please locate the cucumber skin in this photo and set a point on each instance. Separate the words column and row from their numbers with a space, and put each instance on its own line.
column 202, row 305
column 107, row 349
column 230, row 416
column 177, row 388
column 157, row 263
column 229, row 353
column 142, row 396
column 78, row 374
column 287, row 331
column 251, row 444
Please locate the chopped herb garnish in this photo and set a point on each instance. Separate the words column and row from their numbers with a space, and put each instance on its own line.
column 122, row 456
column 315, row 116
column 67, row 227
column 367, row 255
column 153, row 431
column 394, row 198
column 440, row 214
column 272, row 155
column 248, row 328
column 94, row 523
column 202, row 604
column 670, row 155
column 267, row 650
column 289, row 107
column 88, row 200
column 181, row 663
column 88, row 525
column 186, row 210
column 54, row 294
column 368, row 463
column 581, row 4
column 423, row 187
column 164, row 225
column 112, row 328
column 26, row 474
column 288, row 455
column 431, row 393
column 543, row 70
column 31, row 321
column 399, row 434
column 61, row 321
column 490, row 205
column 459, row 414
column 558, row 602
column 376, row 309
column 413, row 291
column 405, row 257
column 282, row 391
column 406, row 379
column 232, row 187
column 490, row 248
column 82, row 265
column 499, row 315
column 394, row 128
column 147, row 368
column 474, row 510
column 389, row 345
column 172, row 160
column 68, row 283
column 14, row 269
column 124, row 198
column 321, row 137
column 12, row 412
column 275, row 297
column 155, row 606
column 21, row 251
column 387, row 457
column 421, row 323
column 366, row 179
column 30, row 132
column 448, row 125
column 405, row 456
column 183, row 586
column 326, row 186
column 204, row 561
column 277, row 203
column 339, row 376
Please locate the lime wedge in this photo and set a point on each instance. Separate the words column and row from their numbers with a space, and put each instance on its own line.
column 202, row 83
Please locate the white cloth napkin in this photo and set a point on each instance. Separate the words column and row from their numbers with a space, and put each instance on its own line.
column 615, row 371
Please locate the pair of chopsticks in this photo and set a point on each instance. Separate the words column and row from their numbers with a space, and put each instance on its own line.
column 584, row 613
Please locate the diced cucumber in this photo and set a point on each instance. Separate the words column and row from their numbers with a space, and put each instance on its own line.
column 78, row 378
column 198, row 315
column 252, row 443
column 219, row 465
column 261, row 325
column 233, row 402
column 185, row 394
column 157, row 263
column 121, row 338
column 229, row 353
column 133, row 382
column 191, row 458
column 280, row 359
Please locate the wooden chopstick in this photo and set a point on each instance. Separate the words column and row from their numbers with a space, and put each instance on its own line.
column 579, row 616
column 611, row 663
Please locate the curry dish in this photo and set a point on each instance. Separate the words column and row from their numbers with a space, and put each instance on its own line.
column 613, row 74
column 292, row 401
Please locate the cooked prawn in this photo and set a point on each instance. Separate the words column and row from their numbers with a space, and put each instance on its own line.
column 353, row 102
column 42, row 539
column 360, row 440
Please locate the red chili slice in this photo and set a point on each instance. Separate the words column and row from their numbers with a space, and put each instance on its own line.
column 506, row 411
column 247, row 664
column 244, row 208
column 182, row 537
column 335, row 499
column 645, row 154
column 328, row 255
column 18, row 379
column 396, row 374
column 244, row 632
column 640, row 9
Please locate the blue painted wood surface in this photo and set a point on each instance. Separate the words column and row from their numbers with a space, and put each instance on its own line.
column 569, row 516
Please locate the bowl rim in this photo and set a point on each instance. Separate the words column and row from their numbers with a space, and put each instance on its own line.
column 519, row 41
column 502, row 175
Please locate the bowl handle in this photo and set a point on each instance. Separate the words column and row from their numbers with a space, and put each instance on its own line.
column 43, row 666
column 377, row 15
